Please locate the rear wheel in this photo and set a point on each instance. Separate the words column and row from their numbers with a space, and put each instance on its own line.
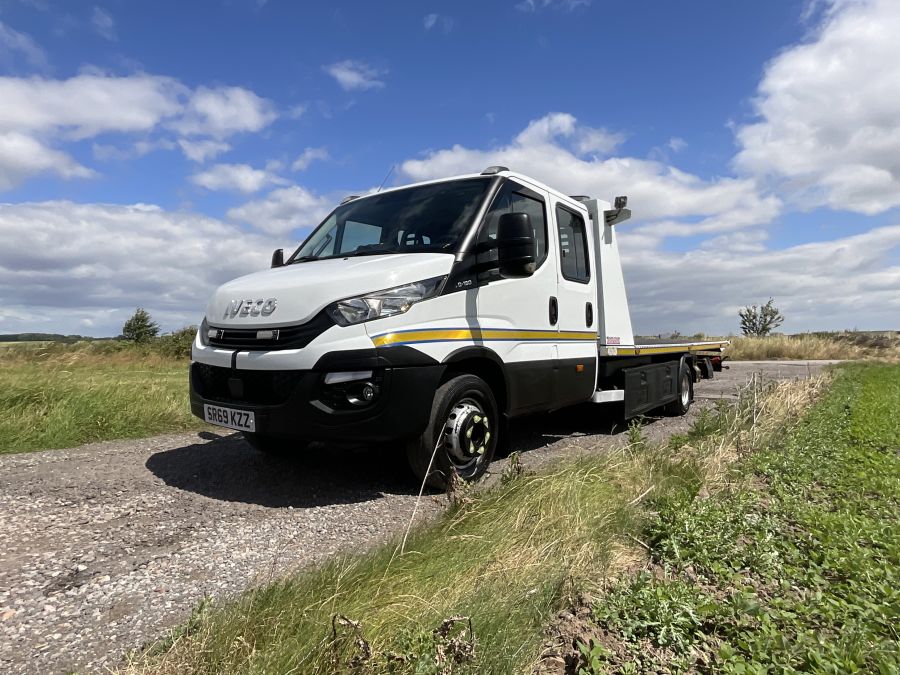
column 682, row 404
column 273, row 445
column 461, row 435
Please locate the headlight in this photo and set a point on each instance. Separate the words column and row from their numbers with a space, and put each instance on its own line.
column 382, row 304
column 203, row 333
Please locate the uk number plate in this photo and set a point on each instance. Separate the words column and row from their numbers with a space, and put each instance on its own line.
column 241, row 420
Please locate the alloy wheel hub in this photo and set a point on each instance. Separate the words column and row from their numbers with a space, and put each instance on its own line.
column 466, row 432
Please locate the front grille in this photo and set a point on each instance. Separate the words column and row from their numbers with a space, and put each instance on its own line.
column 256, row 387
column 289, row 337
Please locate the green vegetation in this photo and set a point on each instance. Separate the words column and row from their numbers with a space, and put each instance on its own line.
column 57, row 396
column 43, row 337
column 793, row 566
column 140, row 327
column 473, row 592
column 762, row 320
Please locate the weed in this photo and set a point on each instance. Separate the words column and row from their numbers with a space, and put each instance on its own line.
column 593, row 656
column 635, row 434
column 513, row 469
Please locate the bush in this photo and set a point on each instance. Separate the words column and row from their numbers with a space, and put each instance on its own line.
column 177, row 344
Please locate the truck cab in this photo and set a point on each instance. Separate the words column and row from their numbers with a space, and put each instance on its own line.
column 428, row 316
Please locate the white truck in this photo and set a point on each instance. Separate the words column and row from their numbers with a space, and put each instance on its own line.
column 428, row 316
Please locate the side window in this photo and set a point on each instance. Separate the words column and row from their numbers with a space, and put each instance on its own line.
column 573, row 246
column 359, row 234
column 511, row 199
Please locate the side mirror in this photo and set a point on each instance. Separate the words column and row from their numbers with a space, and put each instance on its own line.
column 278, row 257
column 515, row 245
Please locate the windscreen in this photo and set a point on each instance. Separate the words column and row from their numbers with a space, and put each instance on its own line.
column 428, row 218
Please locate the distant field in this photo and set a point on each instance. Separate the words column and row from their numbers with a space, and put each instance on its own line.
column 57, row 396
column 846, row 346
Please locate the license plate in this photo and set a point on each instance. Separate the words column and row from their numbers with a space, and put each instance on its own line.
column 241, row 420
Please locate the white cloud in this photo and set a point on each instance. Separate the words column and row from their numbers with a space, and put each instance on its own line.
column 598, row 141
column 564, row 5
column 445, row 23
column 22, row 156
column 13, row 42
column 225, row 111
column 104, row 24
column 200, row 151
column 65, row 263
column 240, row 177
column 307, row 157
column 676, row 144
column 828, row 131
column 550, row 149
column 93, row 103
column 88, row 104
column 355, row 75
column 297, row 111
column 284, row 210
column 107, row 152
column 702, row 290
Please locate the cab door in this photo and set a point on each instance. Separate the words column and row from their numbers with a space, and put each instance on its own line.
column 576, row 372
column 515, row 314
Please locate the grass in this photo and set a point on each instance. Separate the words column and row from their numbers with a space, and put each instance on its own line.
column 844, row 346
column 792, row 566
column 472, row 593
column 56, row 396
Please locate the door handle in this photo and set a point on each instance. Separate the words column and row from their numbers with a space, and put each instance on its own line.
column 554, row 311
column 588, row 315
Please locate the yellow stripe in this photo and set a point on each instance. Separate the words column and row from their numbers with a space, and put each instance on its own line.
column 466, row 334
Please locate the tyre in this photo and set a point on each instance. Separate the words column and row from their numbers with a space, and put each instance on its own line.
column 682, row 404
column 462, row 433
column 273, row 445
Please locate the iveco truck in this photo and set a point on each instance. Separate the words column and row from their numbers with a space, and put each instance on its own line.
column 431, row 315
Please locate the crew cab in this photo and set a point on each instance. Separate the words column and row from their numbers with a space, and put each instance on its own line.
column 430, row 315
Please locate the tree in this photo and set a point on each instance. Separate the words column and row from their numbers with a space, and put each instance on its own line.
column 140, row 327
column 762, row 320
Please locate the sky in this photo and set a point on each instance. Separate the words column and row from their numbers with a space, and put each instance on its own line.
column 150, row 151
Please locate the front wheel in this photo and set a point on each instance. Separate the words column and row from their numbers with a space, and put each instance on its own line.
column 461, row 436
column 274, row 445
column 682, row 404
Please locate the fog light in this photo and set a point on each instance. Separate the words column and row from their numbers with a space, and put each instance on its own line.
column 363, row 394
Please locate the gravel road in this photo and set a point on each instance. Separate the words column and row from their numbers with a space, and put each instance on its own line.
column 105, row 547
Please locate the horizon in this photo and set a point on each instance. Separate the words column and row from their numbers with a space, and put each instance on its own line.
column 149, row 153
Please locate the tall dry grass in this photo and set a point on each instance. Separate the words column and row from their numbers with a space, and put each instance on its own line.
column 505, row 560
column 57, row 396
column 815, row 346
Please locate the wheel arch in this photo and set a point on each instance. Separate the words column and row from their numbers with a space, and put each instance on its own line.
column 483, row 363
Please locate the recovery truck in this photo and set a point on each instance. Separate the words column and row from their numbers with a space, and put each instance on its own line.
column 430, row 315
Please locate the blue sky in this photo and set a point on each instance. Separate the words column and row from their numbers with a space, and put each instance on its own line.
column 736, row 129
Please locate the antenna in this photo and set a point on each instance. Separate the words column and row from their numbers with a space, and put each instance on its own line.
column 386, row 178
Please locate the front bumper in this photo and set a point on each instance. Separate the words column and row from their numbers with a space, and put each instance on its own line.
column 293, row 403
